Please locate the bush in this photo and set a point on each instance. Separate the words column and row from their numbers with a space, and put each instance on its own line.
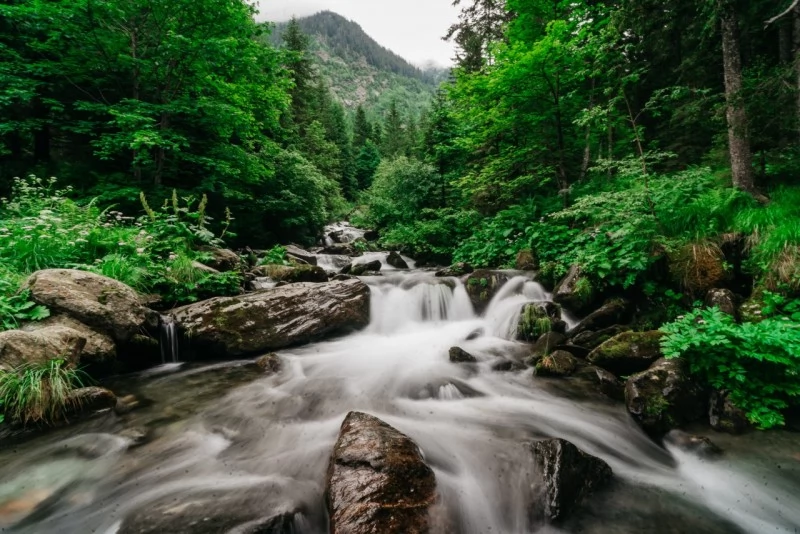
column 39, row 393
column 15, row 305
column 758, row 363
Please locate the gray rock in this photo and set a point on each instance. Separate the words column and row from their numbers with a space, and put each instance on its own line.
column 724, row 416
column 222, row 259
column 459, row 355
column 628, row 353
column 378, row 481
column 395, row 260
column 298, row 254
column 359, row 269
column 698, row 445
column 613, row 312
column 269, row 363
column 18, row 347
column 274, row 318
column 574, row 291
column 98, row 348
column 724, row 299
column 291, row 275
column 456, row 270
column 568, row 476
column 482, row 285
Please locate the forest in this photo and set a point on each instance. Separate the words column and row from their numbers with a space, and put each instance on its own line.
column 652, row 147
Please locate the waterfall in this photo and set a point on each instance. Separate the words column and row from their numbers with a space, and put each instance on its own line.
column 169, row 340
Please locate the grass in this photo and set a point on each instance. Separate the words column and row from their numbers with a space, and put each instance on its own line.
column 39, row 392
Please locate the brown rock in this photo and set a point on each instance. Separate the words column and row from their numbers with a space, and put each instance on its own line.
column 18, row 347
column 269, row 363
column 378, row 481
column 222, row 259
column 98, row 348
column 559, row 363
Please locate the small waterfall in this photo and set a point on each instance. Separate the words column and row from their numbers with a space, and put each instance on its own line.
column 417, row 300
column 332, row 263
column 169, row 340
column 505, row 308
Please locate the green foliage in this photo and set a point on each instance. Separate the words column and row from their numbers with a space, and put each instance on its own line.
column 39, row 392
column 15, row 304
column 757, row 363
column 432, row 236
column 275, row 256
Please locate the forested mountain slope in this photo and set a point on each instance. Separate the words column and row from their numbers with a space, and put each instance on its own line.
column 359, row 70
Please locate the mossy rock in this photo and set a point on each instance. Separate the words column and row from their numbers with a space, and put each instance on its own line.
column 628, row 352
column 292, row 275
column 526, row 261
column 575, row 291
column 559, row 363
column 482, row 285
column 698, row 267
column 545, row 345
column 536, row 319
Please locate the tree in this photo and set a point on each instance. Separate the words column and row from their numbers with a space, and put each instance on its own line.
column 393, row 142
column 367, row 162
column 362, row 129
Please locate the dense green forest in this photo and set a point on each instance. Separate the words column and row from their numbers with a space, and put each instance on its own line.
column 649, row 149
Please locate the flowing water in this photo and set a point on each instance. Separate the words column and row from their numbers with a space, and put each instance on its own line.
column 226, row 428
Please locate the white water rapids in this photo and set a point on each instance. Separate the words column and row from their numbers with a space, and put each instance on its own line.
column 275, row 434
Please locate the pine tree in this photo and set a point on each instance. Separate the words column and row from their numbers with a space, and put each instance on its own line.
column 394, row 135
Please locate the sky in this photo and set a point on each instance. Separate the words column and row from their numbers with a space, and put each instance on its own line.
column 411, row 28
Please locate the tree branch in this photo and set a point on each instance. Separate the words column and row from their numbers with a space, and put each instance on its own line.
column 788, row 10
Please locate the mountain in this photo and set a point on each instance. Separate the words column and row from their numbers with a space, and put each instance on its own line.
column 362, row 72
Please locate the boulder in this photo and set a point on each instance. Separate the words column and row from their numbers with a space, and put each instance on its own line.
column 591, row 340
column 203, row 268
column 341, row 249
column 274, row 318
column 664, row 397
column 396, row 260
column 559, row 363
column 222, row 259
column 546, row 344
column 482, row 285
column 378, row 481
column 574, row 291
column 724, row 416
column 359, row 269
column 568, row 476
column 99, row 347
column 526, row 261
column 613, row 312
column 504, row 365
column 91, row 399
column 18, row 347
column 104, row 304
column 536, row 319
column 628, row 353
column 269, row 363
column 299, row 255
column 291, row 275
column 724, row 299
column 212, row 512
column 372, row 235
column 698, row 445
column 456, row 270
column 459, row 355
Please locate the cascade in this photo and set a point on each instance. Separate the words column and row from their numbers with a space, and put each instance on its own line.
column 169, row 340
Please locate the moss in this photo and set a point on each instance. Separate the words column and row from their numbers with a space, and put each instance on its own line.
column 698, row 267
column 656, row 405
column 533, row 323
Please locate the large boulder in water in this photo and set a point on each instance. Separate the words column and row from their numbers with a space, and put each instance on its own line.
column 590, row 340
column 575, row 292
column 559, row 363
column 482, row 285
column 568, row 476
column 538, row 318
column 358, row 269
column 104, row 304
column 664, row 397
column 274, row 318
column 299, row 255
column 628, row 353
column 456, row 270
column 378, row 481
column 396, row 260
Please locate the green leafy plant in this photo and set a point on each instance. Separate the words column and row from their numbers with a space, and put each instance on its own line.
column 16, row 306
column 758, row 363
column 40, row 392
column 275, row 256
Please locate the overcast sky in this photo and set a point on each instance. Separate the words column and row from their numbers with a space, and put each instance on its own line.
column 411, row 28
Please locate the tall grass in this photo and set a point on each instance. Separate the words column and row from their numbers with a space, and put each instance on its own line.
column 39, row 392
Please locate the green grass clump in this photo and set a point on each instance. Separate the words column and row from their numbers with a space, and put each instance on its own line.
column 39, row 392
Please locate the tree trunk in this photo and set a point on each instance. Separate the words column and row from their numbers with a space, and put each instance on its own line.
column 796, row 43
column 738, row 139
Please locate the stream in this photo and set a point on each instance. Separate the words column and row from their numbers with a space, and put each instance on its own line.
column 227, row 428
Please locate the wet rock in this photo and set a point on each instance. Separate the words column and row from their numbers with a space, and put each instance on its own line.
column 240, row 512
column 91, row 399
column 559, row 363
column 507, row 366
column 341, row 277
column 724, row 299
column 18, row 347
column 546, row 344
column 475, row 334
column 272, row 319
column 137, row 436
column 291, row 275
column 698, row 445
column 222, row 259
column 359, row 269
column 104, row 304
column 568, row 474
column 526, row 261
column 628, row 353
column 574, row 291
column 609, row 385
column 299, row 255
column 378, row 481
column 482, row 285
column 395, row 260
column 456, row 270
column 341, row 249
column 126, row 404
column 591, row 340
column 536, row 319
column 269, row 363
column 98, row 348
column 664, row 397
column 372, row 235
column 724, row 416
column 459, row 355
column 613, row 312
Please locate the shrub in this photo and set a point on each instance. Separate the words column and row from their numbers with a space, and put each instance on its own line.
column 758, row 363
column 39, row 393
column 15, row 305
